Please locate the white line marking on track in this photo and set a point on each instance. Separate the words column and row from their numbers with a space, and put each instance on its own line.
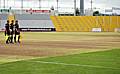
column 66, row 64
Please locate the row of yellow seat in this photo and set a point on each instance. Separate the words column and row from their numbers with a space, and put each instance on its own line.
column 85, row 23
column 11, row 17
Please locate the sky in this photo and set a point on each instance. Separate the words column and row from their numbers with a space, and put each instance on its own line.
column 104, row 3
column 64, row 5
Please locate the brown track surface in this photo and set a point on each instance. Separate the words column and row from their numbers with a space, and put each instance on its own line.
column 48, row 48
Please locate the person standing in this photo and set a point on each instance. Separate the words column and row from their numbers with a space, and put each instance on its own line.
column 11, row 31
column 17, row 32
column 7, row 32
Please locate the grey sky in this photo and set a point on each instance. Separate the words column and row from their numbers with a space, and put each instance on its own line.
column 101, row 4
column 96, row 3
column 104, row 3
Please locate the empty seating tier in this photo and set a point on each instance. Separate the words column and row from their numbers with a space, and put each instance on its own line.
column 85, row 23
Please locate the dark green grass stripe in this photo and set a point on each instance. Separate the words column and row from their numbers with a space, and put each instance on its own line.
column 108, row 59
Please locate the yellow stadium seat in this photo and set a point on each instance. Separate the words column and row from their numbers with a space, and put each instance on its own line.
column 85, row 23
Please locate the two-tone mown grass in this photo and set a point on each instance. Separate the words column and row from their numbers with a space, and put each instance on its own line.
column 103, row 62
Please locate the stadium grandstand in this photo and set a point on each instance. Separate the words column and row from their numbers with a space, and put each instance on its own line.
column 59, row 15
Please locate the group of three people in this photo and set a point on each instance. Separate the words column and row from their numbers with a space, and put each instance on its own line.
column 12, row 31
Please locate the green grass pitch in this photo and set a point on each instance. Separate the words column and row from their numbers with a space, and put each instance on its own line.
column 101, row 57
column 104, row 62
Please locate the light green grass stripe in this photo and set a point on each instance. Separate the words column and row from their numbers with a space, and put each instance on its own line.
column 78, row 65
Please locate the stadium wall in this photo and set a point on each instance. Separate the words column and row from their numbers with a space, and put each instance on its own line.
column 35, row 22
column 3, row 19
column 45, row 22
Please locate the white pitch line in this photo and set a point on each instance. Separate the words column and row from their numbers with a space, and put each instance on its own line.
column 57, row 63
